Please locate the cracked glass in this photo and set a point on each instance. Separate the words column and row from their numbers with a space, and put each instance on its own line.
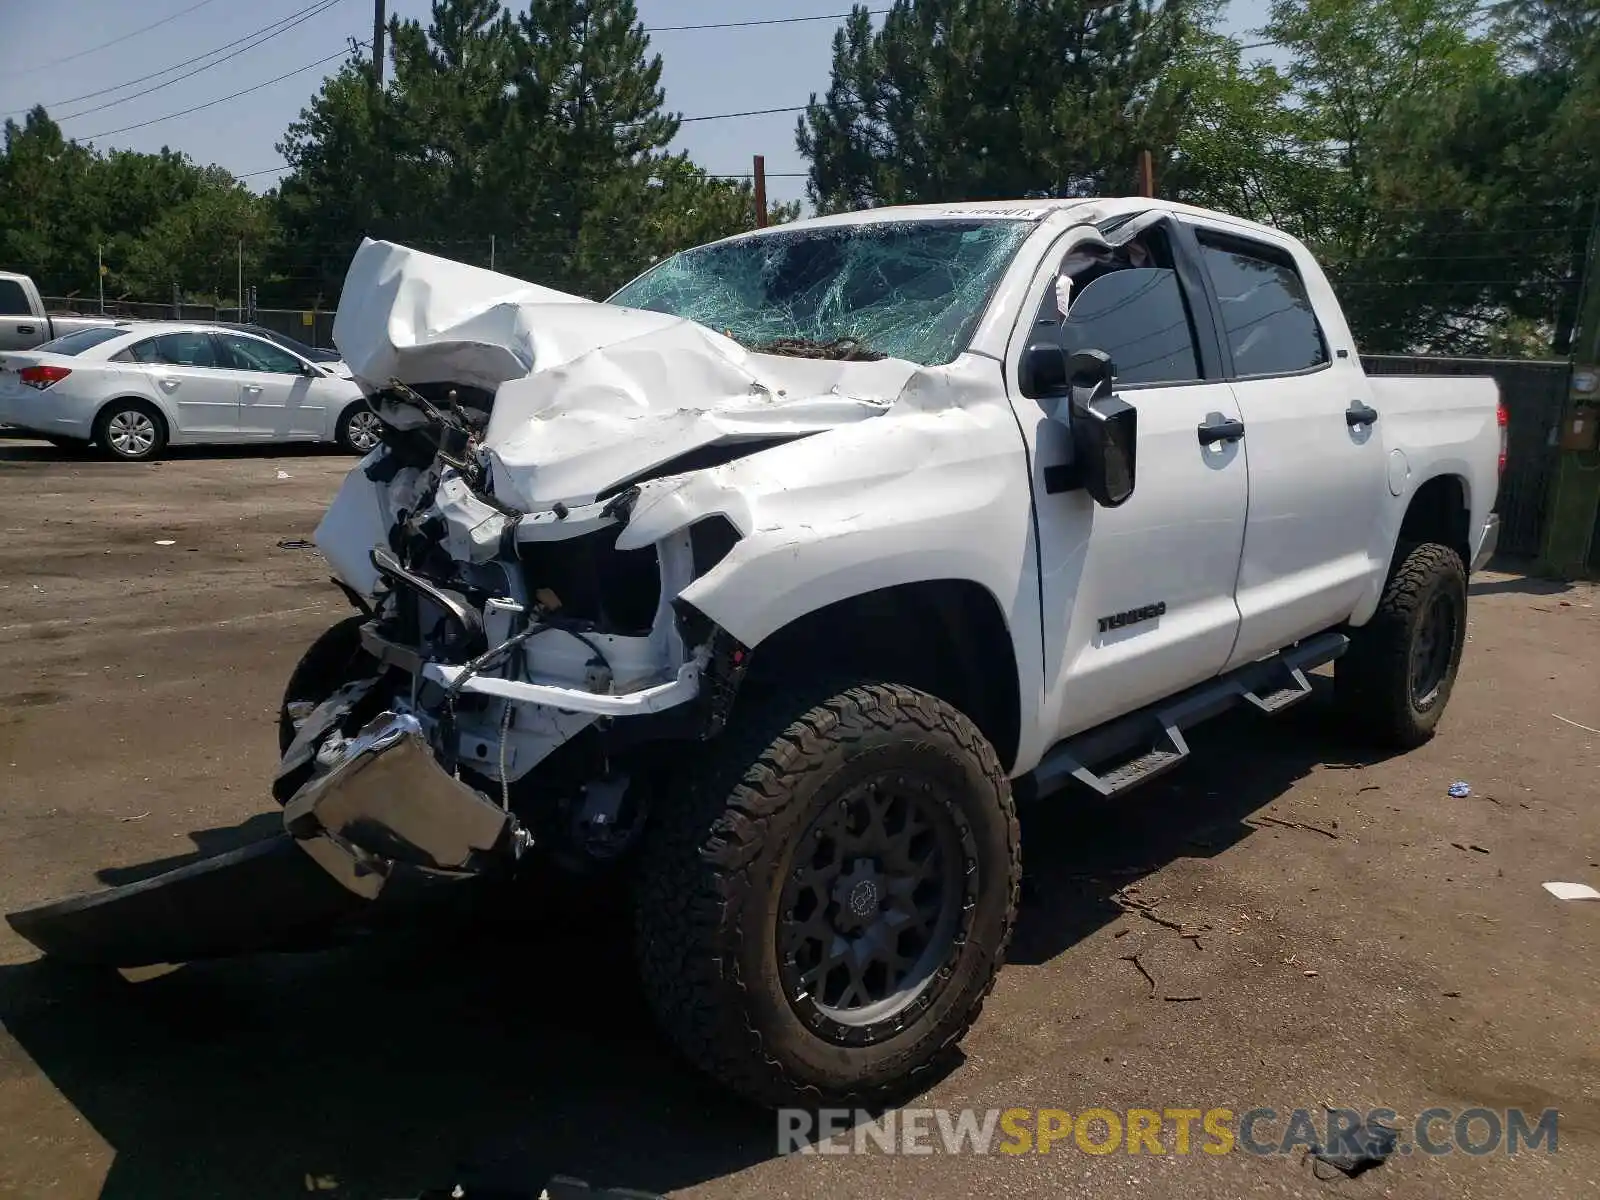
column 903, row 289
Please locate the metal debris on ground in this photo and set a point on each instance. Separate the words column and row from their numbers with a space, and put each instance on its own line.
column 295, row 544
column 1356, row 1150
column 1460, row 789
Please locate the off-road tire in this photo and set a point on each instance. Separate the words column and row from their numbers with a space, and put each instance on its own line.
column 333, row 660
column 714, row 865
column 1373, row 680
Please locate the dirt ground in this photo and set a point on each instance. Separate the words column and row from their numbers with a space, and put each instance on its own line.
column 1364, row 939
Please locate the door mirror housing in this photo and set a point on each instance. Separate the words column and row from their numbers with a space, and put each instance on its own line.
column 1104, row 430
column 1043, row 371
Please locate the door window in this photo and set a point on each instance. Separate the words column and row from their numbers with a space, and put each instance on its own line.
column 1139, row 317
column 250, row 354
column 1267, row 316
column 13, row 300
column 172, row 350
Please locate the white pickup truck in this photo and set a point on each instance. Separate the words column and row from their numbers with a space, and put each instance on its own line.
column 770, row 584
column 24, row 323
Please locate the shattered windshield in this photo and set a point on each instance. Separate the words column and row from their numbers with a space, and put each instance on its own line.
column 905, row 289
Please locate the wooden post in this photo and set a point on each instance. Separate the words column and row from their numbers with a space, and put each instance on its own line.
column 761, row 192
column 1147, row 175
column 378, row 22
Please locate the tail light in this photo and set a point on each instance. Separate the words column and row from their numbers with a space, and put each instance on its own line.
column 40, row 378
column 1504, row 420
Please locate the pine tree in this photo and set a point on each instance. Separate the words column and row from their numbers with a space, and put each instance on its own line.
column 986, row 99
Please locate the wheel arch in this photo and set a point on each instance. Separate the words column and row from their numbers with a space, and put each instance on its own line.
column 1439, row 510
column 168, row 426
column 947, row 637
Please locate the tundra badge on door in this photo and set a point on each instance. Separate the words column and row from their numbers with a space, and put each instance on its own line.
column 1133, row 616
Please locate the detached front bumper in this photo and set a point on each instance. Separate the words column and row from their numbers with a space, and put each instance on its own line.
column 384, row 823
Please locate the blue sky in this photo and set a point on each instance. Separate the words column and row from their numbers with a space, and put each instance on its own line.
column 704, row 71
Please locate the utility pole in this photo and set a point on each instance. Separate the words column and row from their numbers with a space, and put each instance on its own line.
column 761, row 191
column 379, row 20
column 100, row 274
column 491, row 252
column 241, row 279
column 1574, row 512
column 1147, row 175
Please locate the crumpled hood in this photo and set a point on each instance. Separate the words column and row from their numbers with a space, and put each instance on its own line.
column 587, row 395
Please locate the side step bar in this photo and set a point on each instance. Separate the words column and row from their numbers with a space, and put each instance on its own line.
column 1270, row 685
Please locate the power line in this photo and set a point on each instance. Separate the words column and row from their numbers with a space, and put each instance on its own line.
column 875, row 12
column 55, row 62
column 224, row 99
column 176, row 66
column 754, row 112
column 282, row 26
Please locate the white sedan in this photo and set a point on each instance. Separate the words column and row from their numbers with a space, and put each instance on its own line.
column 136, row 389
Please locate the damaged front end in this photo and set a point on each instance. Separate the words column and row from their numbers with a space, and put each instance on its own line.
column 526, row 675
column 523, row 678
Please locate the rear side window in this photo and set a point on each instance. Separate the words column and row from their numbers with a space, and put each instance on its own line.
column 13, row 300
column 1267, row 316
column 83, row 339
column 1140, row 319
column 172, row 349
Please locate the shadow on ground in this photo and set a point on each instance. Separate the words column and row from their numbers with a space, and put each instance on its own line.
column 15, row 449
column 1523, row 582
column 498, row 1057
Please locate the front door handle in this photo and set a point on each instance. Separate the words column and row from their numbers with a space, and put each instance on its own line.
column 1220, row 431
column 1360, row 413
column 252, row 389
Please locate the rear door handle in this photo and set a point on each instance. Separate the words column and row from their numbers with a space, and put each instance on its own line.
column 1360, row 413
column 1220, row 431
column 253, row 389
column 24, row 328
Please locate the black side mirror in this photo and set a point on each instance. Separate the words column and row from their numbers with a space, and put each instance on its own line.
column 1043, row 371
column 1104, row 432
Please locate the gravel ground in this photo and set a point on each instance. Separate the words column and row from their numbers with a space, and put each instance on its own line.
column 1363, row 939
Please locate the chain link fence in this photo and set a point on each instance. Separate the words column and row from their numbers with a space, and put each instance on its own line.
column 312, row 326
